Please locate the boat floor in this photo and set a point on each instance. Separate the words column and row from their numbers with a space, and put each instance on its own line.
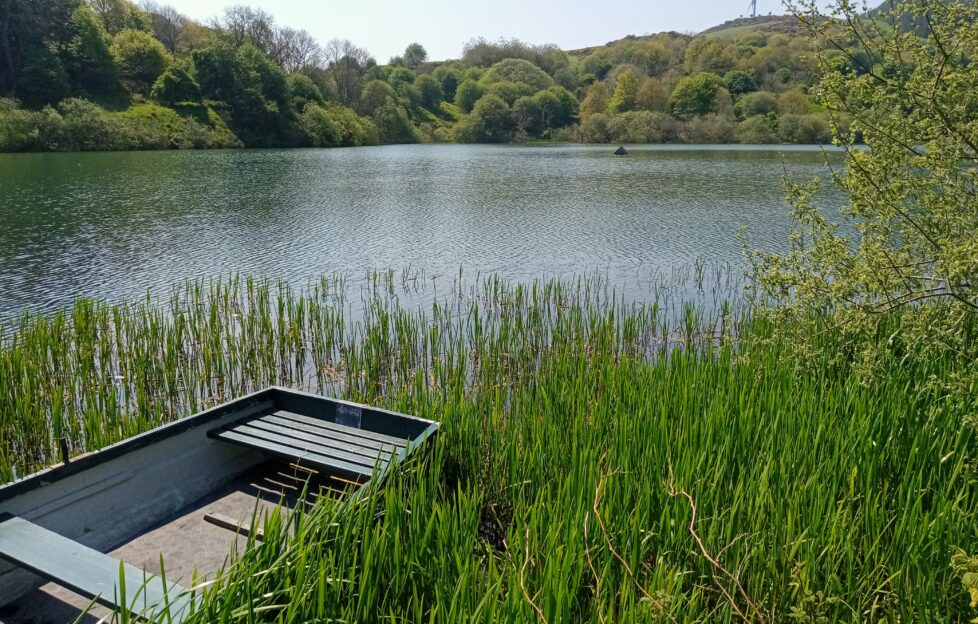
column 186, row 541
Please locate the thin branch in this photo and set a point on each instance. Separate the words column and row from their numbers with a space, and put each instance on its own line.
column 673, row 492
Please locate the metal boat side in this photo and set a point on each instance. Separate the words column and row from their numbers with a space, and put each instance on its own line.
column 105, row 498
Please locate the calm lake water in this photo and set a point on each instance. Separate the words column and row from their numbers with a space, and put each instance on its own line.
column 115, row 224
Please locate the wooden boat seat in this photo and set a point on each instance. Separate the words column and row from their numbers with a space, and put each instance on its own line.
column 87, row 571
column 315, row 442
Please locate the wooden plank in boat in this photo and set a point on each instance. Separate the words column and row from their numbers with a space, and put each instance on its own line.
column 335, row 433
column 358, row 453
column 325, row 424
column 86, row 571
column 290, row 451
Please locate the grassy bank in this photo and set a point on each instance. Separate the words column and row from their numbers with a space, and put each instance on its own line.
column 598, row 461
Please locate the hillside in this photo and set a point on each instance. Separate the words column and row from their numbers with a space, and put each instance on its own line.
column 111, row 75
column 769, row 24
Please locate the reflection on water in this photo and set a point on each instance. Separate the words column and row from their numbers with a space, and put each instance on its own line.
column 115, row 224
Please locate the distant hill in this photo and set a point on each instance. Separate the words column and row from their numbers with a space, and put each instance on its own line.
column 736, row 28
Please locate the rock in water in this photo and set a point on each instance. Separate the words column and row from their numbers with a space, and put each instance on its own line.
column 621, row 151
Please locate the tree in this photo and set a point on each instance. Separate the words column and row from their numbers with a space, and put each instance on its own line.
column 895, row 272
column 567, row 110
column 176, row 85
column 739, row 82
column 31, row 34
column 757, row 103
column 467, row 94
column 626, row 90
column 348, row 64
column 793, row 101
column 595, row 99
column 89, row 61
column 430, row 91
column 302, row 91
column 140, row 58
column 168, row 23
column 489, row 122
column 696, row 95
column 519, row 71
column 393, row 124
column 119, row 15
column 414, row 55
column 448, row 75
column 242, row 24
column 375, row 94
column 526, row 115
column 653, row 95
column 509, row 91
column 294, row 49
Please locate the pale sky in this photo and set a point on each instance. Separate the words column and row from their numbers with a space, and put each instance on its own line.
column 443, row 26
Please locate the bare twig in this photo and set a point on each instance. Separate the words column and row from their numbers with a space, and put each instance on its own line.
column 590, row 563
column 526, row 593
column 631, row 575
column 713, row 562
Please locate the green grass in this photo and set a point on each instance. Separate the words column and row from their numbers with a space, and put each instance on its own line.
column 598, row 461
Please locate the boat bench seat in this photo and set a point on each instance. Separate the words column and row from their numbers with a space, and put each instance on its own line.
column 88, row 572
column 315, row 442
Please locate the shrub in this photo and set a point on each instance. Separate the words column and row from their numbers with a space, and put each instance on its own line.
column 176, row 85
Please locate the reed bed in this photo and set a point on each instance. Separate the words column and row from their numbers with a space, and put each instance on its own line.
column 599, row 461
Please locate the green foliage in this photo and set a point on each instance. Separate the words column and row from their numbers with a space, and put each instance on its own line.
column 88, row 60
column 509, row 91
column 176, row 85
column 696, row 95
column 302, row 90
column 518, row 71
column 393, row 124
column 626, row 92
column 16, row 127
column 756, row 129
column 489, row 122
column 429, row 91
column 739, row 82
column 759, row 103
column 336, row 126
column 140, row 58
column 467, row 94
column 414, row 55
column 375, row 94
column 901, row 259
column 579, row 456
column 449, row 76
column 804, row 129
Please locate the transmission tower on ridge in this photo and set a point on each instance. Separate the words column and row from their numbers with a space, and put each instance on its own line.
column 752, row 8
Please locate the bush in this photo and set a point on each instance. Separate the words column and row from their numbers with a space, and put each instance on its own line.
column 804, row 129
column 140, row 58
column 467, row 94
column 330, row 125
column 176, row 85
column 636, row 127
column 756, row 129
column 17, row 127
column 758, row 103
column 302, row 90
column 509, row 92
column 594, row 129
column 489, row 122
column 520, row 71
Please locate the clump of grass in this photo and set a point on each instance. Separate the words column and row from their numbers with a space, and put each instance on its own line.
column 598, row 460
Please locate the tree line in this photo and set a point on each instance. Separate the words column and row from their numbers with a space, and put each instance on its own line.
column 110, row 74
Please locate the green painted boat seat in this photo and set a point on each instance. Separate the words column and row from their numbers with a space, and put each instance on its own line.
column 88, row 572
column 315, row 442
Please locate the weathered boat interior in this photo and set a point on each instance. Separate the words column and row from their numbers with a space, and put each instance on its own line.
column 186, row 494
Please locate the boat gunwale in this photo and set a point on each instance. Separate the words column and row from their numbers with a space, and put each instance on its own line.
column 87, row 461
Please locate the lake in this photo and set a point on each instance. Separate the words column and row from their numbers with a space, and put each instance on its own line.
column 116, row 224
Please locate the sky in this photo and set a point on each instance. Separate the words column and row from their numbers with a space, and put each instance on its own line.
column 443, row 26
